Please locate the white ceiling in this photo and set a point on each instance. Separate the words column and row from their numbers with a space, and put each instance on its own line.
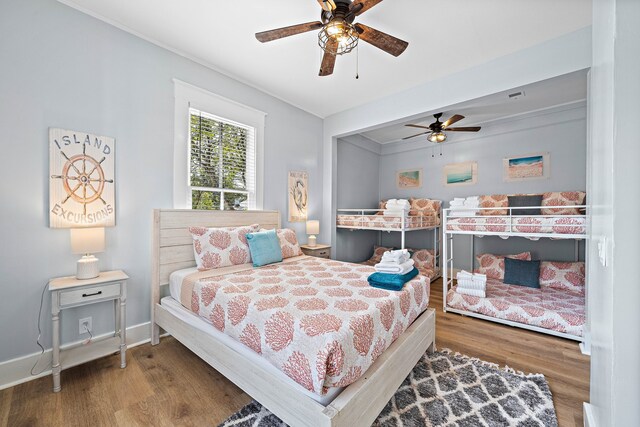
column 444, row 37
column 542, row 95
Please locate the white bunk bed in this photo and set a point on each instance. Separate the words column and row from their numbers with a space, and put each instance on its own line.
column 371, row 219
column 532, row 227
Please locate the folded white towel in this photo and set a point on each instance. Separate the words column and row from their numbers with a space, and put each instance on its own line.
column 472, row 292
column 472, row 203
column 465, row 284
column 473, row 198
column 398, row 256
column 393, row 268
column 398, row 206
column 455, row 202
column 471, row 280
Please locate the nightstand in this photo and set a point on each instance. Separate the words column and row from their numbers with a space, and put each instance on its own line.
column 68, row 292
column 320, row 251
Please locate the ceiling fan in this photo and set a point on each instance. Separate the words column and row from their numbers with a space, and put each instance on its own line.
column 338, row 34
column 437, row 128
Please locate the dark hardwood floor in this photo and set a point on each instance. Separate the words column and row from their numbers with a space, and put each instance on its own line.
column 167, row 385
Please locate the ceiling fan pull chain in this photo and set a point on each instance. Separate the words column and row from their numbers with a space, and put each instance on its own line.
column 441, row 149
column 357, row 62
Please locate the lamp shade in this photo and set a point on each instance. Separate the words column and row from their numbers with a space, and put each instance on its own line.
column 313, row 226
column 87, row 240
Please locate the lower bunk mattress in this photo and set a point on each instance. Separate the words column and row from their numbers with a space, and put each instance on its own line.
column 387, row 221
column 567, row 224
column 548, row 308
column 316, row 320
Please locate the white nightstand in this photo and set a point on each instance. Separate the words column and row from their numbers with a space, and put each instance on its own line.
column 320, row 251
column 67, row 292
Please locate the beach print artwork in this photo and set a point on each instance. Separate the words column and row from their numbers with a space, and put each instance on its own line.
column 460, row 173
column 411, row 178
column 298, row 194
column 530, row 166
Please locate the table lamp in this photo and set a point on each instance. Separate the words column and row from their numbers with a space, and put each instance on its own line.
column 86, row 242
column 313, row 228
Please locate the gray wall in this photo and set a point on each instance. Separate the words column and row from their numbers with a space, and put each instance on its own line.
column 614, row 177
column 61, row 68
column 358, row 178
column 561, row 131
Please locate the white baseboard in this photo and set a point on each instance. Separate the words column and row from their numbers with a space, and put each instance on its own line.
column 587, row 410
column 17, row 371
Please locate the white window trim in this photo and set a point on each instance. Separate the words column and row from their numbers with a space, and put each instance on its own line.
column 190, row 96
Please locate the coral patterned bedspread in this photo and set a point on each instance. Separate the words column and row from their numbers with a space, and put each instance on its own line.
column 385, row 221
column 567, row 224
column 549, row 308
column 316, row 320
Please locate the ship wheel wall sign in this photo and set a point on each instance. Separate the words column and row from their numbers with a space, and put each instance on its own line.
column 81, row 182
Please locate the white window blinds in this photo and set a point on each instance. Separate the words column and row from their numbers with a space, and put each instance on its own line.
column 222, row 163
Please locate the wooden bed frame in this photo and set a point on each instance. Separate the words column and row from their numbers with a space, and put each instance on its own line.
column 358, row 405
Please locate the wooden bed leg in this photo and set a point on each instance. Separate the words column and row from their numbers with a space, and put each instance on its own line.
column 155, row 334
column 432, row 348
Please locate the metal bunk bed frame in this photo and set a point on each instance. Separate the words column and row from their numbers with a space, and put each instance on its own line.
column 447, row 254
column 402, row 230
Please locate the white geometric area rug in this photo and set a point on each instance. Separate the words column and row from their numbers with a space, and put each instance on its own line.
column 449, row 389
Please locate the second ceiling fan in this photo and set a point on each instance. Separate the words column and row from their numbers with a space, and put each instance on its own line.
column 338, row 34
column 437, row 128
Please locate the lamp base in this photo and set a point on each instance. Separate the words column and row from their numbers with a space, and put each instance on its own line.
column 87, row 267
column 312, row 241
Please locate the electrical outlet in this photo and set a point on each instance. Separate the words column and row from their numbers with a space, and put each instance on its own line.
column 87, row 321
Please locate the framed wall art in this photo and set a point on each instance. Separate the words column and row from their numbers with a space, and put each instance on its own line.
column 81, row 180
column 410, row 178
column 298, row 196
column 526, row 167
column 460, row 173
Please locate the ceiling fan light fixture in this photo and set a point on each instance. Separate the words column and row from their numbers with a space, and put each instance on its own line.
column 338, row 37
column 437, row 137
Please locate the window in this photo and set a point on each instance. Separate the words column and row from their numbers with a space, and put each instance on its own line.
column 217, row 152
column 221, row 163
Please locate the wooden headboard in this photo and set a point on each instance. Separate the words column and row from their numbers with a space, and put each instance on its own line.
column 173, row 245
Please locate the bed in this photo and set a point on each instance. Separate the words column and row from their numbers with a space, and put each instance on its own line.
column 297, row 395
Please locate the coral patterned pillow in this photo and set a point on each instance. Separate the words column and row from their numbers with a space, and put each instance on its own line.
column 381, row 205
column 494, row 201
column 288, row 243
column 566, row 276
column 425, row 205
column 423, row 258
column 563, row 198
column 221, row 247
column 377, row 253
column 493, row 265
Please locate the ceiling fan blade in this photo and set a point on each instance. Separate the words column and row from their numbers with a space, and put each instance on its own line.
column 418, row 126
column 465, row 129
column 361, row 6
column 267, row 36
column 418, row 134
column 329, row 59
column 327, row 5
column 452, row 120
column 389, row 44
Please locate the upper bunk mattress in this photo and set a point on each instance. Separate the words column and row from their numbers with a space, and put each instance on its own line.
column 387, row 222
column 316, row 320
column 567, row 224
column 549, row 308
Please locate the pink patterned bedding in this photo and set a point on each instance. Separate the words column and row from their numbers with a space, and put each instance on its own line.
column 316, row 320
column 549, row 308
column 567, row 224
column 383, row 221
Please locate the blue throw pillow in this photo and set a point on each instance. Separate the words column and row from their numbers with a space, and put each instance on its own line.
column 522, row 273
column 264, row 247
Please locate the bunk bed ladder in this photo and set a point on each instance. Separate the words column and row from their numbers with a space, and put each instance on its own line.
column 447, row 270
